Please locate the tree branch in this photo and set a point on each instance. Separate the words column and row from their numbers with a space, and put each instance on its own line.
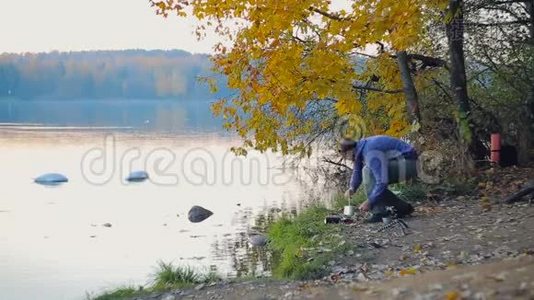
column 339, row 164
column 507, row 23
column 369, row 88
column 442, row 88
column 327, row 14
column 428, row 60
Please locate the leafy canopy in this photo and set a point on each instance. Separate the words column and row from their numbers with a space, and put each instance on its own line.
column 295, row 64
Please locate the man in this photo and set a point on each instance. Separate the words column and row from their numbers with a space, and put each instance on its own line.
column 379, row 161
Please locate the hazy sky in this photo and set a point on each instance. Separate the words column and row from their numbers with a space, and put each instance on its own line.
column 65, row 25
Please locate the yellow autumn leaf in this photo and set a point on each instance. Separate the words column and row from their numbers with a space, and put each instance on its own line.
column 408, row 271
column 452, row 295
column 292, row 64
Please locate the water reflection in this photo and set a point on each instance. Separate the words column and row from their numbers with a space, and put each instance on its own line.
column 62, row 250
column 145, row 114
column 248, row 260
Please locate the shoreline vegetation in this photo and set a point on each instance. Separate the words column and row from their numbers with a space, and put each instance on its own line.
column 301, row 247
column 167, row 277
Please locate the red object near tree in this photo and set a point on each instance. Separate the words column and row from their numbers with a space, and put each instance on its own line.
column 495, row 156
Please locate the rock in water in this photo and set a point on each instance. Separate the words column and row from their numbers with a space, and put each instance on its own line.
column 198, row 214
column 257, row 240
column 51, row 179
column 137, row 176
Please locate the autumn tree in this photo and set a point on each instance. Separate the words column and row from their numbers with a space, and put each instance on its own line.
column 301, row 66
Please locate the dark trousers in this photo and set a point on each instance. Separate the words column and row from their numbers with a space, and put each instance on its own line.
column 398, row 170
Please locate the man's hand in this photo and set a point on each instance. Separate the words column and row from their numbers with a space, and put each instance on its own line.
column 364, row 206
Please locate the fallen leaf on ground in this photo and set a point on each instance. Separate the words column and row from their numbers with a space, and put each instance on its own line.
column 452, row 295
column 408, row 271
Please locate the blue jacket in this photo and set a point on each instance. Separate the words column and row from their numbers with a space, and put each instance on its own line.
column 372, row 151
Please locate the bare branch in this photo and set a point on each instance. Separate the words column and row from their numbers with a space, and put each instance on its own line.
column 507, row 23
column 428, row 60
column 369, row 88
column 339, row 164
column 328, row 14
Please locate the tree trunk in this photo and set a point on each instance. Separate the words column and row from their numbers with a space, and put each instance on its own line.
column 412, row 101
column 530, row 10
column 525, row 134
column 454, row 25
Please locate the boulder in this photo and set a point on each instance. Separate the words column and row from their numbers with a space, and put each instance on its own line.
column 257, row 240
column 198, row 214
column 137, row 176
column 51, row 179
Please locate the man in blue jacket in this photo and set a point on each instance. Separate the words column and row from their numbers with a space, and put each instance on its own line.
column 379, row 161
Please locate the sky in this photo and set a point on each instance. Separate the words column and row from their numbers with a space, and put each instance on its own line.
column 72, row 25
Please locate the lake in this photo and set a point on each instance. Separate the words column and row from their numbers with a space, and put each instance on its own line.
column 53, row 244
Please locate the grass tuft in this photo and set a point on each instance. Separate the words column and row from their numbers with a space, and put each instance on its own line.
column 167, row 277
column 301, row 246
column 120, row 293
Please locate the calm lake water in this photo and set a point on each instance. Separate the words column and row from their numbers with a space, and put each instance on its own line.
column 53, row 244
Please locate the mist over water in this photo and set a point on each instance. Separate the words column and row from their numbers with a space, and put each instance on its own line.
column 163, row 116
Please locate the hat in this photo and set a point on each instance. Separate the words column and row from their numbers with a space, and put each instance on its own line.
column 346, row 145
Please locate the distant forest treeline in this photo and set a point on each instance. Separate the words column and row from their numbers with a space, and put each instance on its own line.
column 130, row 74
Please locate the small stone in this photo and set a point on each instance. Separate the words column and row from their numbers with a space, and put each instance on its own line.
column 200, row 286
column 198, row 214
column 396, row 292
column 499, row 277
column 350, row 253
column 479, row 296
column 257, row 240
column 137, row 176
column 51, row 179
column 466, row 294
column 168, row 297
column 361, row 277
column 436, row 287
column 107, row 225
